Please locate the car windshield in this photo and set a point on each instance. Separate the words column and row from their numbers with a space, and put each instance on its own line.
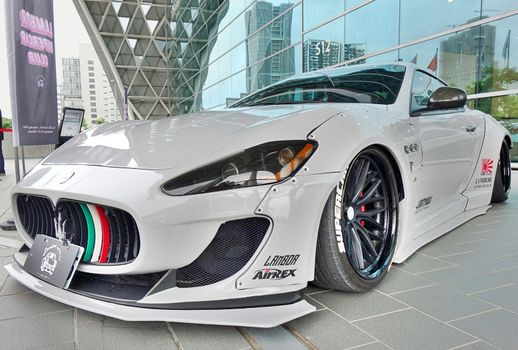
column 373, row 84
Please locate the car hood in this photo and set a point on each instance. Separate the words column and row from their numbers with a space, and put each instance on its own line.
column 194, row 138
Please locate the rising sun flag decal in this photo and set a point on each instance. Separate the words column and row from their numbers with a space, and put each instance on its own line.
column 487, row 166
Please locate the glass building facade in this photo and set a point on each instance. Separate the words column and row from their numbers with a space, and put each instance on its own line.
column 204, row 54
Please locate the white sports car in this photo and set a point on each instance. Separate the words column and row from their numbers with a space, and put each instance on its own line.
column 223, row 217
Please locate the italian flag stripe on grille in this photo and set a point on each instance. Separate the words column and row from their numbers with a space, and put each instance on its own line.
column 91, row 233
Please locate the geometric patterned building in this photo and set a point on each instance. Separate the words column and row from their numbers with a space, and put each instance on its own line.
column 154, row 48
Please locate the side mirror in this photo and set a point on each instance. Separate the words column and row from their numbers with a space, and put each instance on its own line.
column 447, row 97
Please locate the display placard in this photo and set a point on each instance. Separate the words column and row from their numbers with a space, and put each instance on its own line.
column 32, row 68
column 71, row 122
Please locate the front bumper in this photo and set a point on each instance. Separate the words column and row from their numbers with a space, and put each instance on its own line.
column 264, row 317
column 175, row 230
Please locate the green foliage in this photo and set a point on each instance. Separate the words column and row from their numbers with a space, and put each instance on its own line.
column 496, row 79
column 7, row 123
column 84, row 125
column 99, row 121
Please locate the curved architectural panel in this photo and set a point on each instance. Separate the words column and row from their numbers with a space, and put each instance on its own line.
column 142, row 44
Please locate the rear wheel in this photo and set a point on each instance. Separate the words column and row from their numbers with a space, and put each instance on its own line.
column 358, row 229
column 502, row 185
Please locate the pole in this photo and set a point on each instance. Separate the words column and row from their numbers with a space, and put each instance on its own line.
column 16, row 164
column 24, row 171
column 126, row 103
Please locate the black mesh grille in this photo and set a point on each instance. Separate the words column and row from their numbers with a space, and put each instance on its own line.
column 233, row 246
column 37, row 217
column 142, row 280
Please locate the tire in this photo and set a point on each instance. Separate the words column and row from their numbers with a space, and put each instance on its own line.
column 502, row 185
column 344, row 259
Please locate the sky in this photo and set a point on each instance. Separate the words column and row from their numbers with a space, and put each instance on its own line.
column 69, row 34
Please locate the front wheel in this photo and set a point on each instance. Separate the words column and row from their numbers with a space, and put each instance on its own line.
column 502, row 185
column 358, row 229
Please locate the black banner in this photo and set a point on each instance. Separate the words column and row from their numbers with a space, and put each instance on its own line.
column 32, row 67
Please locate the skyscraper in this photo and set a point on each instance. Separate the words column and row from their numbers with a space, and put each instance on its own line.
column 85, row 85
column 262, row 70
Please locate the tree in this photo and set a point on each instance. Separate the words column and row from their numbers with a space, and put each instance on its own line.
column 496, row 79
column 99, row 121
column 7, row 123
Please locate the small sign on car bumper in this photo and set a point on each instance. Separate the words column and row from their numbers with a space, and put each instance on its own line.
column 52, row 261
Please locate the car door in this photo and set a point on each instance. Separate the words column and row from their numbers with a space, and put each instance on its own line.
column 450, row 142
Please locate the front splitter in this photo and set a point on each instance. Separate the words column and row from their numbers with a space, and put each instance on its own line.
column 263, row 317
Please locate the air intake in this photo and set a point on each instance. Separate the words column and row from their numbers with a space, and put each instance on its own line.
column 233, row 246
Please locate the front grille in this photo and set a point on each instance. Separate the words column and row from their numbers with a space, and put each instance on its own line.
column 37, row 215
column 109, row 235
column 233, row 246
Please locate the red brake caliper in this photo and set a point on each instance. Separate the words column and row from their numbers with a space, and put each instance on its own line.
column 362, row 209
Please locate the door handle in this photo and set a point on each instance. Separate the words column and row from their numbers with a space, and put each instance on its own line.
column 471, row 128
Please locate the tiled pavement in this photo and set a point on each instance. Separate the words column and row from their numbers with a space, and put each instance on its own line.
column 459, row 292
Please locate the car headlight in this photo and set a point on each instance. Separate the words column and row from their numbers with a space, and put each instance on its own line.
column 265, row 164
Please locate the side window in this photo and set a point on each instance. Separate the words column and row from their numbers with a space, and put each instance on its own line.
column 423, row 86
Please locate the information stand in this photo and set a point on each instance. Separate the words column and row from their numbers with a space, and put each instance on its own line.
column 70, row 124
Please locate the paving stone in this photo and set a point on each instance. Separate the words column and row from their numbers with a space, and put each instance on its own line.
column 510, row 275
column 6, row 251
column 479, row 262
column 490, row 247
column 89, row 330
column 398, row 280
column 443, row 303
column 311, row 288
column 419, row 263
column 326, row 330
column 274, row 338
column 11, row 286
column 3, row 274
column 156, row 336
column 464, row 279
column 313, row 302
column 193, row 337
column 354, row 306
column 506, row 297
column 513, row 257
column 439, row 249
column 114, row 322
column 498, row 328
column 480, row 345
column 64, row 346
column 373, row 346
column 38, row 331
column 20, row 305
column 410, row 329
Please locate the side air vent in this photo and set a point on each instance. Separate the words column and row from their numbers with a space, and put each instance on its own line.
column 233, row 246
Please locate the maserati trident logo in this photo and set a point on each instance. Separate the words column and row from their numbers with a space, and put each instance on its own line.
column 59, row 225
